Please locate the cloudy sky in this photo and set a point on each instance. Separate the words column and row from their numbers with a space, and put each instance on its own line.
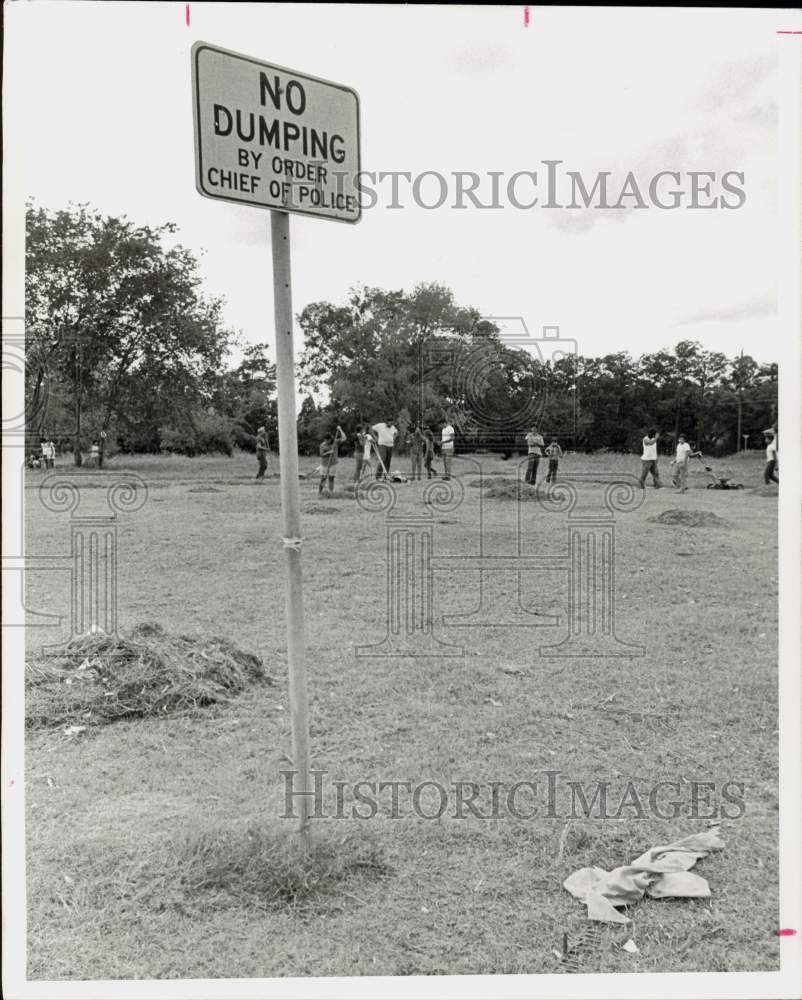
column 103, row 91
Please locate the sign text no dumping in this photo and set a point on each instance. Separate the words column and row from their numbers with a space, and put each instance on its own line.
column 270, row 137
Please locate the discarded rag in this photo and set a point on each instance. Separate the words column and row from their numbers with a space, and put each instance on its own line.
column 661, row 872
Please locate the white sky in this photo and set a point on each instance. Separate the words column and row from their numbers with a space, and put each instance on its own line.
column 108, row 120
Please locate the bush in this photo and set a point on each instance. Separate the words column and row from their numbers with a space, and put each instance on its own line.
column 209, row 433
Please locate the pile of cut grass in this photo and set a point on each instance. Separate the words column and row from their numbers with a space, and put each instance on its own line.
column 510, row 489
column 220, row 868
column 98, row 678
column 767, row 490
column 690, row 518
column 487, row 477
column 319, row 508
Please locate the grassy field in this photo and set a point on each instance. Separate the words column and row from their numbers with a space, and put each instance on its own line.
column 147, row 839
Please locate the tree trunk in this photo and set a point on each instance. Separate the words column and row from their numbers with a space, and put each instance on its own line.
column 76, row 449
column 676, row 419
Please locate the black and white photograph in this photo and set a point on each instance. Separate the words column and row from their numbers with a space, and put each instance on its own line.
column 401, row 480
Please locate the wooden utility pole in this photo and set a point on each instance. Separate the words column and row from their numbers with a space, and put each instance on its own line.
column 290, row 509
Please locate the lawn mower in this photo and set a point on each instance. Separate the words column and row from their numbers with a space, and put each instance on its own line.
column 718, row 481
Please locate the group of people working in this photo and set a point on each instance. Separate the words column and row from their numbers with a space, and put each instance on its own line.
column 373, row 451
column 685, row 452
column 537, row 449
column 374, row 446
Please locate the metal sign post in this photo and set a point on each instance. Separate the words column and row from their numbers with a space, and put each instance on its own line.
column 271, row 137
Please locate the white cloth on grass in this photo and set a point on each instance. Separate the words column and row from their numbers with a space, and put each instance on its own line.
column 661, row 872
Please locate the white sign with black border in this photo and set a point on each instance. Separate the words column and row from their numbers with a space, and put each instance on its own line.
column 273, row 138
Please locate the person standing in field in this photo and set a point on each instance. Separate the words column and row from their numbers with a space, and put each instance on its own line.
column 386, row 435
column 554, row 453
column 416, row 444
column 770, row 470
column 329, row 449
column 363, row 453
column 51, row 454
column 428, row 451
column 649, row 460
column 262, row 449
column 359, row 452
column 681, row 462
column 534, row 444
column 447, row 448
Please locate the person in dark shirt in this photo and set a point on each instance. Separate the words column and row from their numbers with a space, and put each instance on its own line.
column 554, row 453
column 416, row 444
column 428, row 452
column 261, row 452
column 329, row 448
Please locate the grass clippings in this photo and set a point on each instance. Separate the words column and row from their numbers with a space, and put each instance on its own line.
column 766, row 490
column 487, row 478
column 690, row 518
column 510, row 489
column 468, row 896
column 319, row 508
column 98, row 678
column 204, row 489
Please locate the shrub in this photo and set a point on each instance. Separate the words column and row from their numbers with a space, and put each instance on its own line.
column 208, row 433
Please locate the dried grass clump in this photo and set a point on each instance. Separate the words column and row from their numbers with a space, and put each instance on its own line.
column 223, row 868
column 510, row 489
column 690, row 518
column 487, row 478
column 97, row 678
column 269, row 869
column 319, row 508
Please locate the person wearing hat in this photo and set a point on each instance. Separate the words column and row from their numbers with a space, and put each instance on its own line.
column 261, row 452
column 770, row 470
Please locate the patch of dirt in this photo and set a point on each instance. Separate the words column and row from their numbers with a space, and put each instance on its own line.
column 690, row 518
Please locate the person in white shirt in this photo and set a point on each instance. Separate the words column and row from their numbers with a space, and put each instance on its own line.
column 534, row 444
column 386, row 435
column 447, row 448
column 649, row 460
column 681, row 461
column 770, row 471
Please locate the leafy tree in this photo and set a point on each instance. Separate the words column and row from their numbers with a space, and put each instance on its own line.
column 116, row 315
column 246, row 395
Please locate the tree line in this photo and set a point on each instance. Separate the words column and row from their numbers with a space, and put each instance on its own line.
column 420, row 358
column 123, row 347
